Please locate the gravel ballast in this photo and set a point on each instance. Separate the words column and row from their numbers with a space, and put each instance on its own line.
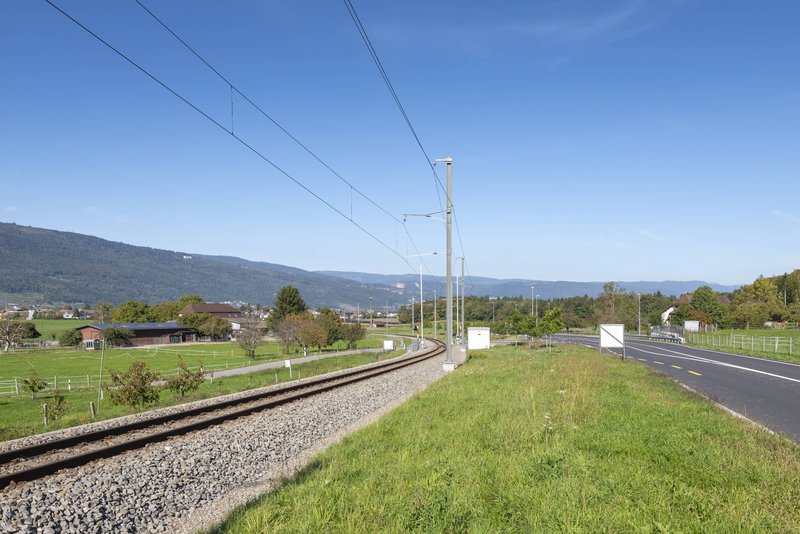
column 192, row 481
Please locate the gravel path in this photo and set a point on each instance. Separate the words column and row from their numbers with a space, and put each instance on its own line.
column 192, row 481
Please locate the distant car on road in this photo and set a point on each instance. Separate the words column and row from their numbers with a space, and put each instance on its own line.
column 668, row 336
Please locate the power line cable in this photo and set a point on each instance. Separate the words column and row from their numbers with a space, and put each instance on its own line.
column 234, row 87
column 230, row 132
column 376, row 59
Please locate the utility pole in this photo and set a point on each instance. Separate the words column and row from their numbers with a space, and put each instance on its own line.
column 435, row 317
column 371, row 324
column 458, row 316
column 412, row 316
column 536, row 306
column 449, row 364
column 532, row 299
column 463, row 305
column 421, row 315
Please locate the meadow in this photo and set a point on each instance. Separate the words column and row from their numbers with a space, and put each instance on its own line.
column 530, row 441
column 21, row 415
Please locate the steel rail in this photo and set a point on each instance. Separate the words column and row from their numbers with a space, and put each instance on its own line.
column 295, row 392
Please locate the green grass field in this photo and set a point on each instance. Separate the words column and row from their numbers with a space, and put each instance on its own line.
column 78, row 363
column 525, row 441
column 22, row 416
column 51, row 328
column 776, row 344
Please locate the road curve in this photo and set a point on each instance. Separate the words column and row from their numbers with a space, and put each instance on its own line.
column 765, row 391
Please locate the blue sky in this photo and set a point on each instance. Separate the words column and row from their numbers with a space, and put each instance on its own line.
column 605, row 140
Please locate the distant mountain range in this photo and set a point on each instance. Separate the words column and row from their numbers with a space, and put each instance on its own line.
column 39, row 266
column 494, row 287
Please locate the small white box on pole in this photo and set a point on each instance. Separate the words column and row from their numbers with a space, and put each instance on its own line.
column 388, row 344
column 287, row 363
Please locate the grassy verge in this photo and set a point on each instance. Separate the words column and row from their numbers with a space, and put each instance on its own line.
column 521, row 441
column 758, row 343
column 21, row 416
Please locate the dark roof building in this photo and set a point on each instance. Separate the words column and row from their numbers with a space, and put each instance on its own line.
column 143, row 333
column 226, row 311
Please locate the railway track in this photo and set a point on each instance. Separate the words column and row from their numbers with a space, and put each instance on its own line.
column 44, row 459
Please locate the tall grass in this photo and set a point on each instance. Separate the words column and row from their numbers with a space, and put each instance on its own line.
column 526, row 441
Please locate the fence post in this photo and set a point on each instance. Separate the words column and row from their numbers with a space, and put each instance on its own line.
column 16, row 385
column 44, row 412
column 69, row 384
column 790, row 346
column 55, row 382
column 91, row 409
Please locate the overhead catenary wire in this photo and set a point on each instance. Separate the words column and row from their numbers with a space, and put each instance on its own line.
column 376, row 59
column 222, row 127
column 234, row 87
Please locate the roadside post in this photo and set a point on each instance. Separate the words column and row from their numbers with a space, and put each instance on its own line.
column 612, row 336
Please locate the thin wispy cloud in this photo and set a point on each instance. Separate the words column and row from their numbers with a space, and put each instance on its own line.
column 651, row 235
column 553, row 28
column 10, row 209
column 578, row 30
column 787, row 216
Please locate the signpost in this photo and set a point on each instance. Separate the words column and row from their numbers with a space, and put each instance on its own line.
column 612, row 336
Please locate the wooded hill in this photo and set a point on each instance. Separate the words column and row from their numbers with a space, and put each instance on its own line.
column 48, row 266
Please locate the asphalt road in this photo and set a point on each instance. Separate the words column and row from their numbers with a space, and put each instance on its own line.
column 765, row 391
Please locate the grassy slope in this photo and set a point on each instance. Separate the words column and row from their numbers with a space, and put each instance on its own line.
column 528, row 442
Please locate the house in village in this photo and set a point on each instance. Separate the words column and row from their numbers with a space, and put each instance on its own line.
column 223, row 311
column 143, row 333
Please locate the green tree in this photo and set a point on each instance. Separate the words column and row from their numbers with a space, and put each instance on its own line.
column 116, row 335
column 189, row 299
column 331, row 323
column 165, row 311
column 215, row 328
column 551, row 323
column 70, row 338
column 132, row 311
column 288, row 329
column 34, row 384
column 185, row 380
column 103, row 312
column 287, row 301
column 29, row 330
column 58, row 407
column 135, row 386
column 706, row 301
column 195, row 320
column 352, row 333
column 310, row 334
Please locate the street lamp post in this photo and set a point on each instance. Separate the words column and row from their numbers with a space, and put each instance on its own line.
column 435, row 318
column 371, row 324
column 532, row 311
column 639, row 321
column 536, row 311
column 494, row 300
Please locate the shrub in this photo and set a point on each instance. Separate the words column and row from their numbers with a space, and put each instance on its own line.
column 134, row 387
column 186, row 380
